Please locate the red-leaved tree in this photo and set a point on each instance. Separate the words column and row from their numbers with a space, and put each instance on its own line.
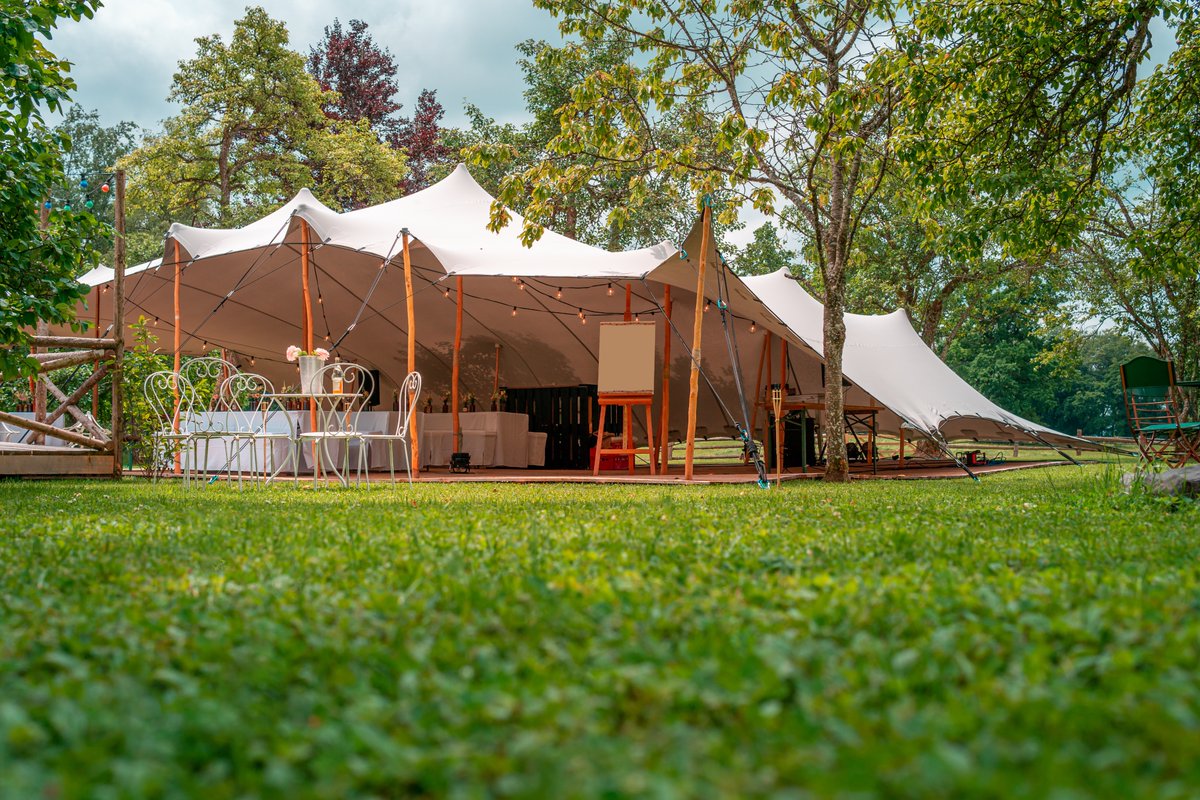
column 349, row 62
column 421, row 136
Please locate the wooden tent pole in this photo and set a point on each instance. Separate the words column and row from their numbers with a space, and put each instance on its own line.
column 496, row 374
column 783, row 361
column 412, row 346
column 697, row 331
column 628, row 302
column 665, row 421
column 96, row 388
column 175, row 362
column 767, row 396
column 306, row 332
column 39, row 386
column 456, row 367
column 118, row 332
column 758, row 383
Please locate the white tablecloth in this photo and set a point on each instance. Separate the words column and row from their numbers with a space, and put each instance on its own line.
column 493, row 438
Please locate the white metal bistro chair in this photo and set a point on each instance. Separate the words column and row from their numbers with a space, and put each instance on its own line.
column 210, row 419
column 344, row 391
column 253, row 408
column 410, row 393
column 170, row 397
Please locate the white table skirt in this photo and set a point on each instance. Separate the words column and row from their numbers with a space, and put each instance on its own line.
column 493, row 438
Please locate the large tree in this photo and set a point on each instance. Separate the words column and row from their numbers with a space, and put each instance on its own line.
column 420, row 137
column 809, row 104
column 37, row 267
column 251, row 133
column 358, row 75
column 615, row 208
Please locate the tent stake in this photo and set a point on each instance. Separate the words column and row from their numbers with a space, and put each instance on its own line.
column 412, row 344
column 664, row 435
column 697, row 330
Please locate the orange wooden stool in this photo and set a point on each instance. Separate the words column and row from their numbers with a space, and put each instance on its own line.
column 627, row 402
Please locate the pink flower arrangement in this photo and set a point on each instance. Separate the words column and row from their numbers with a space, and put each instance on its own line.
column 294, row 352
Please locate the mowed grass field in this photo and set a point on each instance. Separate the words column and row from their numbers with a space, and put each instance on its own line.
column 1035, row 634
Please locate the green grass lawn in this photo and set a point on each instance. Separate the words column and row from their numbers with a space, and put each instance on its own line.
column 1034, row 634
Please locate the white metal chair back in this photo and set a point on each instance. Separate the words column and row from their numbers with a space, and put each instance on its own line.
column 171, row 398
column 247, row 398
column 340, row 405
column 210, row 414
column 410, row 394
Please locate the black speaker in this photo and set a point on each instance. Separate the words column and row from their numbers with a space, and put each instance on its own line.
column 373, row 401
column 799, row 441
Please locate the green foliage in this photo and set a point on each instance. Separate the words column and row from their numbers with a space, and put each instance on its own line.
column 1032, row 636
column 1015, row 350
column 37, row 268
column 765, row 254
column 140, row 419
column 251, row 133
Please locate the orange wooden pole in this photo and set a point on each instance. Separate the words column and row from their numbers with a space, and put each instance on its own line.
column 307, row 328
column 455, row 370
column 664, row 425
column 628, row 302
column 496, row 373
column 176, row 347
column 412, row 344
column 767, row 393
column 783, row 360
column 697, row 332
column 96, row 388
column 758, row 383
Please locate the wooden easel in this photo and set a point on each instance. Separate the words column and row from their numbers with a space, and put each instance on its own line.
column 627, row 402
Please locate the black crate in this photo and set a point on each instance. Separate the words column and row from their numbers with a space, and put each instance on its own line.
column 564, row 414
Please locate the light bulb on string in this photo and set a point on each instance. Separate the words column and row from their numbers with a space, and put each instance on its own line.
column 610, row 290
column 584, row 319
column 514, row 312
column 252, row 361
column 104, row 188
column 66, row 206
column 558, row 294
column 514, row 278
column 89, row 203
column 637, row 317
column 48, row 204
column 754, row 327
column 707, row 303
column 581, row 313
column 320, row 300
column 83, row 184
column 446, row 293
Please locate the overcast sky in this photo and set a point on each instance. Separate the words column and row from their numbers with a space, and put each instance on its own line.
column 125, row 58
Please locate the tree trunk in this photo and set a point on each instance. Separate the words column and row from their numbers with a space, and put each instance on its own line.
column 837, row 467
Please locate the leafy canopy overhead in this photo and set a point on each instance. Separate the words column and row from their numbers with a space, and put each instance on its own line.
column 37, row 268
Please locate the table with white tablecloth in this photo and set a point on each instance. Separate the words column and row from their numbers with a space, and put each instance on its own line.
column 493, row 438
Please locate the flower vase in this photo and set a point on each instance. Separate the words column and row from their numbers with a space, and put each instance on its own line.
column 309, row 367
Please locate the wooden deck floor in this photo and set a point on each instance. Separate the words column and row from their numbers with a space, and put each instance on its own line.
column 32, row 460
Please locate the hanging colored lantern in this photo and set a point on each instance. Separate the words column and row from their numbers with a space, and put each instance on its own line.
column 89, row 203
column 48, row 204
column 83, row 184
column 104, row 188
column 66, row 206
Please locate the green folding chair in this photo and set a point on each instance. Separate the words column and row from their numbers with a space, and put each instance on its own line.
column 1152, row 409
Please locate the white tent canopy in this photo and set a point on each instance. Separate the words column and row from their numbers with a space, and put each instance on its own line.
column 887, row 358
column 240, row 289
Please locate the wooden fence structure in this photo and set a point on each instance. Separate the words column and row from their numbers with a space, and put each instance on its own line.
column 98, row 452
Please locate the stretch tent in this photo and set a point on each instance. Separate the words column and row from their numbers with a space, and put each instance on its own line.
column 241, row 289
column 886, row 357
